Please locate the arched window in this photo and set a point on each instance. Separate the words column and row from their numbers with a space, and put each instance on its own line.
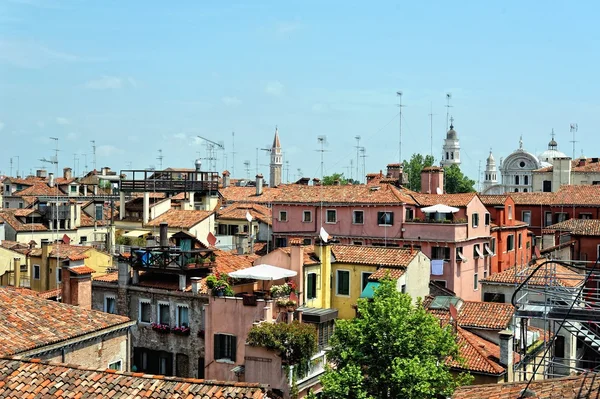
column 526, row 180
column 524, row 190
column 447, row 157
column 452, row 155
column 516, row 190
column 517, row 180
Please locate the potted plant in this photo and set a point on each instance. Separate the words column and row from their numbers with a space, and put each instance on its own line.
column 282, row 303
column 161, row 328
column 291, row 305
column 182, row 330
column 213, row 257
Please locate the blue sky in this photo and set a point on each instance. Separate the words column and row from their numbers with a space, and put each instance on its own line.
column 139, row 76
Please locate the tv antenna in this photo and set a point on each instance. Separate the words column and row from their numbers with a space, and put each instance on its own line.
column 363, row 155
column 211, row 152
column 322, row 142
column 94, row 153
column 247, row 167
column 574, row 129
column 399, row 94
column 159, row 158
column 299, row 171
column 448, row 106
column 357, row 146
column 232, row 153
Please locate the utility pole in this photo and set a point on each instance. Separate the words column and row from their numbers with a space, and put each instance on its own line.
column 399, row 94
column 363, row 155
column 351, row 169
column 287, row 171
column 448, row 106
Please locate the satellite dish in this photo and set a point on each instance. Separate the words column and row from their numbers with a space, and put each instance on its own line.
column 438, row 190
column 453, row 312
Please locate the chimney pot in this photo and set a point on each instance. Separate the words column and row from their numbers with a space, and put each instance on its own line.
column 51, row 179
column 196, row 285
column 259, row 184
column 164, row 234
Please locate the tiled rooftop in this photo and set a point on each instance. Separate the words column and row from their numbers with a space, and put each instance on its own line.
column 376, row 256
column 64, row 251
column 248, row 194
column 475, row 314
column 16, row 224
column 388, row 272
column 457, row 200
column 237, row 211
column 584, row 386
column 478, row 354
column 28, row 322
column 39, row 188
column 588, row 166
column 493, row 199
column 580, row 227
column 551, row 274
column 565, row 196
column 180, row 219
column 310, row 257
column 357, row 194
column 24, row 379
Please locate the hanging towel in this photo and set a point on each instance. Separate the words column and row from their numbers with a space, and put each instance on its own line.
column 437, row 267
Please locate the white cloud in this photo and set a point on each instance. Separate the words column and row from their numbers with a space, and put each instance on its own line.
column 285, row 27
column 110, row 83
column 108, row 150
column 29, row 54
column 232, row 101
column 274, row 88
column 62, row 121
column 180, row 136
column 1, row 126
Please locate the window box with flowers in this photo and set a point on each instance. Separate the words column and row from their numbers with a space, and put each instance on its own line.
column 219, row 284
column 287, row 303
column 283, row 290
column 183, row 330
column 161, row 328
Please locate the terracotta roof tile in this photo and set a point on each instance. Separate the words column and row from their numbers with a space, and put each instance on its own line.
column 551, row 274
column 586, row 385
column 383, row 272
column 81, row 270
column 39, row 188
column 565, row 196
column 358, row 194
column 9, row 217
column 474, row 314
column 238, row 211
column 181, row 219
column 310, row 257
column 478, row 354
column 64, row 251
column 29, row 322
column 248, row 194
column 376, row 256
column 20, row 378
column 588, row 166
column 493, row 199
column 579, row 227
column 457, row 200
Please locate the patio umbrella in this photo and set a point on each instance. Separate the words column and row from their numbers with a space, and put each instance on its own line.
column 263, row 272
column 440, row 208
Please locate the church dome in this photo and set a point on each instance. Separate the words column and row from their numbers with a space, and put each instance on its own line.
column 451, row 135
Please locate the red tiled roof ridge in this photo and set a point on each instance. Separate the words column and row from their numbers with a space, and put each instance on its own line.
column 476, row 342
column 371, row 255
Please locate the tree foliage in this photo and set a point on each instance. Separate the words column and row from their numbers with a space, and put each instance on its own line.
column 331, row 179
column 413, row 169
column 456, row 182
column 394, row 349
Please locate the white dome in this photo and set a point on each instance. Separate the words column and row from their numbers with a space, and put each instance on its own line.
column 549, row 155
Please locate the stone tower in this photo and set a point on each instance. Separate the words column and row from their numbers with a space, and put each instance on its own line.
column 451, row 149
column 276, row 161
column 491, row 172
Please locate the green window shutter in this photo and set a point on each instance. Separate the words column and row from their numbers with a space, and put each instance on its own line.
column 233, row 347
column 217, row 338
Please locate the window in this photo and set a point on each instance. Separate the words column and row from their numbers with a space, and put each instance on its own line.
column 441, row 283
column 358, row 217
column 520, row 241
column 331, row 216
column 385, row 218
column 280, row 242
column 183, row 319
column 357, row 243
column 585, row 216
column 527, row 217
column 20, row 205
column 475, row 220
column 510, row 215
column 485, row 271
column 110, row 306
column 510, row 242
column 7, row 205
column 487, row 219
column 493, row 297
column 324, row 333
column 115, row 365
column 410, row 214
column 364, row 278
column 487, row 250
column 522, row 164
column 59, row 275
column 282, row 216
column 225, row 346
column 403, row 289
column 547, row 186
column 440, row 253
column 517, row 180
column 547, row 219
column 311, row 286
column 36, row 272
column 144, row 312
column 477, row 251
column 82, row 239
column 73, row 189
column 342, row 283
column 475, row 282
column 561, row 217
column 164, row 313
column 459, row 255
column 307, row 216
column 559, row 347
column 447, row 155
column 307, row 241
column 524, row 190
column 99, row 212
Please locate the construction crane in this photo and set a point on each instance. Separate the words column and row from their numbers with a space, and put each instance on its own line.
column 211, row 152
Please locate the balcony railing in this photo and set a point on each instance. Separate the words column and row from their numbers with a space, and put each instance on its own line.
column 316, row 367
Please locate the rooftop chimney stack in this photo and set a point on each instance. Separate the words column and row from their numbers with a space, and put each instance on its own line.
column 226, row 179
column 506, row 353
column 259, row 184
column 67, row 173
column 17, row 274
column 41, row 173
column 196, row 285
column 164, row 234
column 51, row 180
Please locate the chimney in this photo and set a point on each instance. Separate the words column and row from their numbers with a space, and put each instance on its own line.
column 581, row 162
column 123, row 271
column 241, row 243
column 182, row 282
column 323, row 251
column 297, row 265
column 196, row 285
column 41, row 173
column 104, row 171
column 259, row 184
column 316, row 181
column 164, row 234
column 67, row 173
column 506, row 353
column 76, row 288
column 432, row 180
column 336, row 182
column 226, row 178
column 51, row 180
column 17, row 273
column 44, row 267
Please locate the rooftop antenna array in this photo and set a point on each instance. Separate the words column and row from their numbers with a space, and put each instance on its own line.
column 299, row 171
column 363, row 155
column 286, row 168
column 211, row 152
column 448, row 106
column 247, row 168
column 75, row 162
column 85, row 165
column 574, row 129
column 322, row 142
column 54, row 161
column 94, row 153
column 399, row 94
column 232, row 153
column 357, row 146
column 159, row 158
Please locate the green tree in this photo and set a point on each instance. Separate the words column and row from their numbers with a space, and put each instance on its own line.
column 394, row 349
column 414, row 167
column 331, row 179
column 456, row 182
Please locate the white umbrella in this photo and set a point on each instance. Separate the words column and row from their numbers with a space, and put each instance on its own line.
column 263, row 272
column 440, row 208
